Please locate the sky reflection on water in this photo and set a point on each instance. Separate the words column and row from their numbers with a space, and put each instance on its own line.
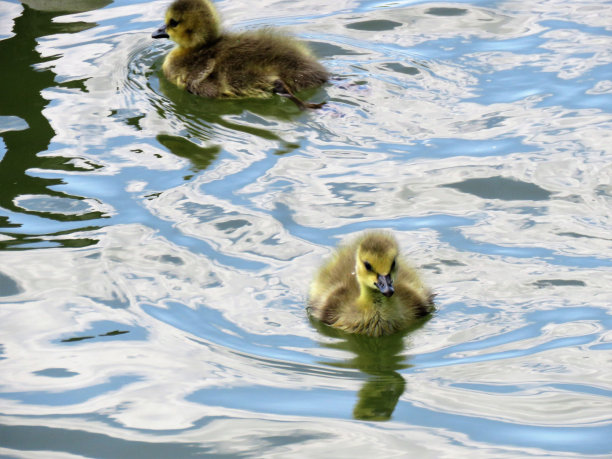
column 156, row 248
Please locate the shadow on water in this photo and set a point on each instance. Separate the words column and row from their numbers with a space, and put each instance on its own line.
column 380, row 359
column 200, row 157
column 92, row 444
column 8, row 285
column 26, row 102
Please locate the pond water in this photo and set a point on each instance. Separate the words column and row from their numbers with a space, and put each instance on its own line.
column 156, row 248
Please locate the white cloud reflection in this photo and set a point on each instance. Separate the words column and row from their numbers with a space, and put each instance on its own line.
column 213, row 237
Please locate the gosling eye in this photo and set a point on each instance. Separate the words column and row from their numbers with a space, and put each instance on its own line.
column 368, row 266
column 392, row 266
column 172, row 23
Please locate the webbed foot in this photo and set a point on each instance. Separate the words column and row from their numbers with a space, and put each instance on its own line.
column 281, row 89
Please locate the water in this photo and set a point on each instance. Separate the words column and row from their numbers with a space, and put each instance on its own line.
column 156, row 248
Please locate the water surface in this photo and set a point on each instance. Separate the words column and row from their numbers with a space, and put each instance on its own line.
column 156, row 248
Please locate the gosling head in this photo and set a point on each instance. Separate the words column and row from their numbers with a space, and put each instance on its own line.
column 190, row 23
column 376, row 262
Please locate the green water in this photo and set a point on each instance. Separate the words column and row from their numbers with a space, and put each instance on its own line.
column 156, row 248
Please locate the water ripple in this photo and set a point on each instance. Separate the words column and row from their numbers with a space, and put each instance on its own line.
column 156, row 247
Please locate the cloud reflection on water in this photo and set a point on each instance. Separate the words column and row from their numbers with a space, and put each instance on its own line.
column 204, row 258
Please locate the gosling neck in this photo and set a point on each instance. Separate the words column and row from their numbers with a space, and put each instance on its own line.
column 370, row 299
column 204, row 44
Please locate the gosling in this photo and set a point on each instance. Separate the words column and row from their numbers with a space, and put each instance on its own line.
column 211, row 63
column 367, row 288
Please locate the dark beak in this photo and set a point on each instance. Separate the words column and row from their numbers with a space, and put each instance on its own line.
column 385, row 285
column 160, row 33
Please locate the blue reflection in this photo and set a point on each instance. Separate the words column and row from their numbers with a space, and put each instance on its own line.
column 71, row 397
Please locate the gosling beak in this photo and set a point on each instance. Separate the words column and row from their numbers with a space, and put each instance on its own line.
column 160, row 33
column 385, row 285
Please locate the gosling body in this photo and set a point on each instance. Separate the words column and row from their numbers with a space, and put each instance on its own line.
column 367, row 288
column 210, row 63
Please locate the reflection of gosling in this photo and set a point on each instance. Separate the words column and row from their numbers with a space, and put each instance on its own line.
column 210, row 63
column 367, row 288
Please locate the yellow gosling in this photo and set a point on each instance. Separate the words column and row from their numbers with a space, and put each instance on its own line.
column 211, row 63
column 367, row 288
